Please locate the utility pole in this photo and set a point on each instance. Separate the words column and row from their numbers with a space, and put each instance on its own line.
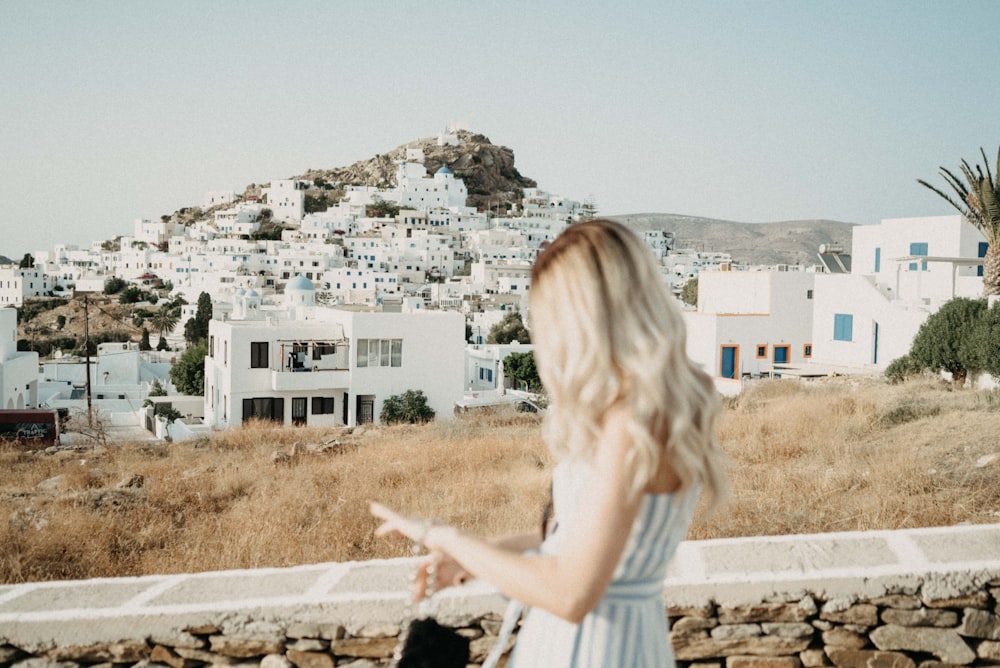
column 86, row 352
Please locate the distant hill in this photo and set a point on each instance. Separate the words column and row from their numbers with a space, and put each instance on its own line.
column 786, row 242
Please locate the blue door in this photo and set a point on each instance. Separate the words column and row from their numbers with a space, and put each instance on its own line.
column 781, row 354
column 730, row 359
column 875, row 344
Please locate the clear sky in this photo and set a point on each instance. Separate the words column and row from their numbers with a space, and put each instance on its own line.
column 745, row 110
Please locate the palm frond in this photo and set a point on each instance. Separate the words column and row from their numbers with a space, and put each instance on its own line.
column 986, row 164
column 945, row 196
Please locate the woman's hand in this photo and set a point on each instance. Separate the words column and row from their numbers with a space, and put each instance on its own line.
column 413, row 528
column 447, row 572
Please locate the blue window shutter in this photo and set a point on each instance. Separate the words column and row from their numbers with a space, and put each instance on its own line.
column 878, row 259
column 843, row 327
column 983, row 247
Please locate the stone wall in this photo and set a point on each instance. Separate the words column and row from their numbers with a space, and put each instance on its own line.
column 928, row 598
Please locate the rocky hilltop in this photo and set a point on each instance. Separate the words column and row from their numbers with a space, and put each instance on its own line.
column 787, row 242
column 487, row 169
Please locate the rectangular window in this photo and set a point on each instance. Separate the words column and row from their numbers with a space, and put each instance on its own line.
column 843, row 327
column 809, row 294
column 983, row 247
column 322, row 405
column 264, row 408
column 918, row 248
column 807, row 350
column 258, row 355
column 380, row 352
column 211, row 346
column 762, row 351
column 878, row 259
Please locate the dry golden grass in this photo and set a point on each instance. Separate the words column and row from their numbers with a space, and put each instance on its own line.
column 828, row 456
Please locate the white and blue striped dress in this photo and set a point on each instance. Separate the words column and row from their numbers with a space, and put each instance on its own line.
column 628, row 628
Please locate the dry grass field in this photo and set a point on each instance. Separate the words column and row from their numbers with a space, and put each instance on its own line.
column 836, row 455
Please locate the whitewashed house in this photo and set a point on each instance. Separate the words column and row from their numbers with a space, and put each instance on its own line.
column 18, row 370
column 902, row 271
column 751, row 323
column 287, row 199
column 308, row 365
column 484, row 364
column 17, row 284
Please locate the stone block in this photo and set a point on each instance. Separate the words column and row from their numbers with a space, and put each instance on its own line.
column 309, row 645
column 768, row 612
column 840, row 637
column 202, row 656
column 945, row 644
column 361, row 663
column 864, row 614
column 989, row 650
column 275, row 661
column 364, row 648
column 787, row 630
column 980, row 624
column 481, row 647
column 179, row 639
column 203, row 630
column 310, row 659
column 727, row 631
column 979, row 599
column 470, row 632
column 763, row 662
column 843, row 657
column 165, row 655
column 41, row 662
column 119, row 652
column 693, row 625
column 693, row 649
column 897, row 601
column 921, row 617
column 703, row 611
column 813, row 658
column 244, row 648
column 378, row 631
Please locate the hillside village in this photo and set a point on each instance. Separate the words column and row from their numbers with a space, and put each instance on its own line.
column 328, row 296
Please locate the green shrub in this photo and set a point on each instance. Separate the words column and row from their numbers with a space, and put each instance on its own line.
column 410, row 407
column 902, row 368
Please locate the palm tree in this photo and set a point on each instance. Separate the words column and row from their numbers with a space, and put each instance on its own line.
column 979, row 202
column 165, row 319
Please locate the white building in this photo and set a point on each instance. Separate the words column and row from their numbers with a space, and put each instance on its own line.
column 326, row 366
column 18, row 370
column 286, row 199
column 902, row 270
column 418, row 191
column 153, row 232
column 484, row 364
column 17, row 284
column 750, row 323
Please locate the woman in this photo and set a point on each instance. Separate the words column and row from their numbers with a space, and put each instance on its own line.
column 631, row 422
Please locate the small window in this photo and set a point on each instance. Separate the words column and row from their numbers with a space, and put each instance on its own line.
column 807, row 350
column 983, row 247
column 322, row 405
column 843, row 327
column 918, row 248
column 258, row 355
column 809, row 294
column 762, row 351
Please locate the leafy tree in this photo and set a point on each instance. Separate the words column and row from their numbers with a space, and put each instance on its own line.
column 381, row 208
column 196, row 328
column 162, row 343
column 133, row 294
column 188, row 374
column 113, row 285
column 156, row 389
column 510, row 328
column 27, row 262
column 689, row 293
column 165, row 318
column 983, row 343
column 943, row 342
column 979, row 202
column 144, row 343
column 410, row 407
column 521, row 367
column 60, row 321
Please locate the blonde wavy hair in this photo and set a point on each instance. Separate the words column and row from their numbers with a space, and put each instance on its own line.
column 608, row 333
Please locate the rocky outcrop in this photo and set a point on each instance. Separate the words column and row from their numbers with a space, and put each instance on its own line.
column 488, row 170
